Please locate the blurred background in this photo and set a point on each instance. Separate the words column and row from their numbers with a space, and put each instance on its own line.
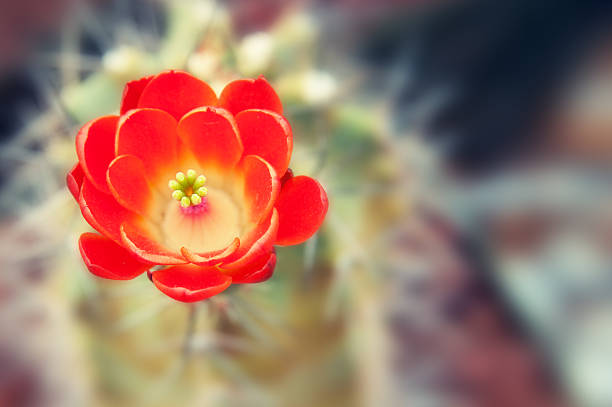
column 466, row 148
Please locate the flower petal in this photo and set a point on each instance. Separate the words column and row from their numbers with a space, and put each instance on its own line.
column 255, row 244
column 261, row 186
column 212, row 136
column 210, row 227
column 102, row 212
column 104, row 258
column 302, row 205
column 176, row 92
column 257, row 271
column 127, row 181
column 189, row 283
column 268, row 135
column 95, row 145
column 288, row 175
column 142, row 242
column 149, row 134
column 132, row 92
column 74, row 180
column 211, row 258
column 245, row 94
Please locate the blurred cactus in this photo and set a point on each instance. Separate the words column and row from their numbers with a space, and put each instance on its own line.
column 312, row 335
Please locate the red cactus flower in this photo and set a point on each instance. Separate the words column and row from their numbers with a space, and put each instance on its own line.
column 196, row 184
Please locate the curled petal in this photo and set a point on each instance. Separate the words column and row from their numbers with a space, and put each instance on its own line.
column 95, row 145
column 255, row 244
column 140, row 241
column 132, row 92
column 211, row 258
column 102, row 212
column 149, row 134
column 246, row 94
column 127, row 181
column 261, row 186
column 74, row 180
column 257, row 271
column 189, row 283
column 176, row 92
column 302, row 205
column 212, row 136
column 104, row 258
column 268, row 135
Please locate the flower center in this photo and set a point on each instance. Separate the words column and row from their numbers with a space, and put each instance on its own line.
column 189, row 189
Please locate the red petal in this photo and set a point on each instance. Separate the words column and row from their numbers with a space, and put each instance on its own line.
column 149, row 134
column 212, row 136
column 128, row 183
column 102, row 212
column 246, row 94
column 132, row 92
column 177, row 92
column 288, row 175
column 268, row 135
column 104, row 258
column 74, row 180
column 255, row 244
column 211, row 258
column 302, row 205
column 261, row 186
column 257, row 271
column 189, row 283
column 140, row 241
column 95, row 145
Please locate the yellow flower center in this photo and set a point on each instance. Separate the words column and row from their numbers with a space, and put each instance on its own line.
column 188, row 189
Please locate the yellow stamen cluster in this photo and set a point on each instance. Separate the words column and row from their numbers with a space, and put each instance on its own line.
column 188, row 188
